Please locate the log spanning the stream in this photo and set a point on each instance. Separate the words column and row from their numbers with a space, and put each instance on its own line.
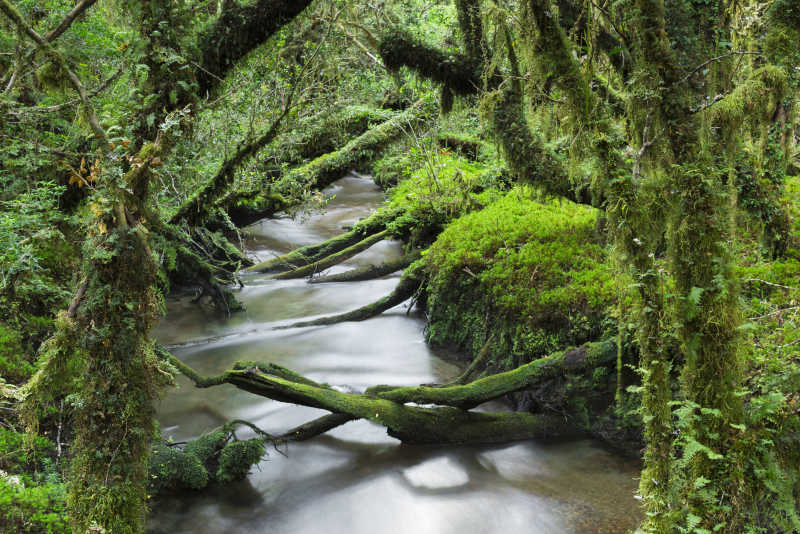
column 370, row 272
column 448, row 419
column 303, row 256
column 332, row 259
column 405, row 290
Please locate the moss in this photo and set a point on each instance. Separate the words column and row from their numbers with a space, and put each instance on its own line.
column 527, row 157
column 531, row 272
column 238, row 457
column 440, row 188
column 206, row 448
column 757, row 98
column 18, row 454
column 171, row 468
column 320, row 135
column 783, row 33
column 465, row 146
column 390, row 169
column 238, row 30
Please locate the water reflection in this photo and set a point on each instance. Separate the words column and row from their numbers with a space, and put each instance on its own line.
column 356, row 479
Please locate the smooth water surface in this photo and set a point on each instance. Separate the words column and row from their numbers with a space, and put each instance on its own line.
column 356, row 479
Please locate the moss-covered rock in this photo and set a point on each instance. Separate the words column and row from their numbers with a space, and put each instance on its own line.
column 213, row 457
column 532, row 273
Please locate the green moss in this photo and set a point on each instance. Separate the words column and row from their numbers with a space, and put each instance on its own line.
column 207, row 447
column 440, row 188
column 15, row 454
column 238, row 457
column 755, row 98
column 14, row 365
column 457, row 72
column 533, row 273
column 171, row 468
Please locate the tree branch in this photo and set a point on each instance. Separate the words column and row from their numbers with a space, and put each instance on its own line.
column 68, row 19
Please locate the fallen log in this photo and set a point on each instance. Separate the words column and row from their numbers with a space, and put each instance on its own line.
column 405, row 290
column 295, row 186
column 472, row 394
column 444, row 424
column 309, row 254
column 370, row 272
column 332, row 259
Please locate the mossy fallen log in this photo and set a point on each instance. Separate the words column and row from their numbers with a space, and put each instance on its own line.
column 410, row 424
column 327, row 168
column 472, row 394
column 370, row 272
column 321, row 135
column 309, row 254
column 332, row 259
column 405, row 290
column 295, row 186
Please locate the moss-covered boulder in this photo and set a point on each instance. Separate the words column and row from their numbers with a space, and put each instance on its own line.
column 532, row 274
column 521, row 279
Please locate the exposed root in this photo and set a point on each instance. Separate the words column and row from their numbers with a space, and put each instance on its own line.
column 333, row 259
column 404, row 291
column 370, row 272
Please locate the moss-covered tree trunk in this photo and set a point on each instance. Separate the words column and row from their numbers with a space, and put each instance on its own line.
column 114, row 413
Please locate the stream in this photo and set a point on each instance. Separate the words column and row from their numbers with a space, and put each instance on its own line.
column 355, row 479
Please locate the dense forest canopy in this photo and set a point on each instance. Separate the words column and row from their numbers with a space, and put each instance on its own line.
column 599, row 203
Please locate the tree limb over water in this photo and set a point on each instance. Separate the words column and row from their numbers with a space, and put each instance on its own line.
column 449, row 421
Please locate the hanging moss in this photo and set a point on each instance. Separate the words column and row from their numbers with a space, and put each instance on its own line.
column 756, row 99
column 469, row 20
column 529, row 160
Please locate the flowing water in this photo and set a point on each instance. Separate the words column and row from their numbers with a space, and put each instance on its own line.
column 356, row 479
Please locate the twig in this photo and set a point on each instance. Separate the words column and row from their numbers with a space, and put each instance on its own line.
column 772, row 284
column 709, row 103
column 776, row 312
column 723, row 56
column 67, row 21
